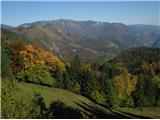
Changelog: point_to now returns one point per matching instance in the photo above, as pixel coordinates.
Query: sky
(16, 13)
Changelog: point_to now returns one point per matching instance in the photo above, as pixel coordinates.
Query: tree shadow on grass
(100, 113)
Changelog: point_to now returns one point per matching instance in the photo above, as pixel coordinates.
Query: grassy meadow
(26, 91)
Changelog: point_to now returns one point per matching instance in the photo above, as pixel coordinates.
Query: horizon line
(49, 20)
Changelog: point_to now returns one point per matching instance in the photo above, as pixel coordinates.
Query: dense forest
(130, 80)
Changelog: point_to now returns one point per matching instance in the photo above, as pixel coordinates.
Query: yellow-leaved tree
(35, 64)
(33, 56)
(125, 84)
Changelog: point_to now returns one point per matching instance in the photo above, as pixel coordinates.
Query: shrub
(99, 98)
(6, 70)
(129, 102)
(158, 103)
(76, 88)
(14, 106)
(39, 75)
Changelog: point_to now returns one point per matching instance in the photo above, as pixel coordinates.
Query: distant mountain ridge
(91, 40)
(6, 26)
(150, 31)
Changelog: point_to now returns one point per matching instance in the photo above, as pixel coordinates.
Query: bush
(6, 70)
(129, 102)
(76, 88)
(99, 98)
(158, 103)
(39, 75)
(14, 107)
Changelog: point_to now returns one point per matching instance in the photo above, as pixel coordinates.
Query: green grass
(152, 112)
(26, 90)
(51, 94)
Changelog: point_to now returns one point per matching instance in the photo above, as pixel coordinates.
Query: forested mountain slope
(29, 70)
(133, 58)
(88, 38)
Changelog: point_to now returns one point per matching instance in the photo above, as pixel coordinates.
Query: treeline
(108, 84)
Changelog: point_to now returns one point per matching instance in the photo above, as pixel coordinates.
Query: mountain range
(91, 40)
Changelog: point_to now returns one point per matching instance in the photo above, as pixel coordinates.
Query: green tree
(39, 75)
(98, 97)
(88, 83)
(74, 69)
(58, 75)
(6, 70)
(145, 92)
(73, 75)
(76, 88)
(110, 91)
(67, 81)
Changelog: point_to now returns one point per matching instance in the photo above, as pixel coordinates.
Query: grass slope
(26, 90)
(151, 112)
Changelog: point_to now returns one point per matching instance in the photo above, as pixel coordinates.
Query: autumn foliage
(28, 58)
(107, 83)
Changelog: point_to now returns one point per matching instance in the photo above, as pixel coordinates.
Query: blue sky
(16, 13)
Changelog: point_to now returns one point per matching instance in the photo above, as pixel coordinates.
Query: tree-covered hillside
(135, 58)
(131, 80)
